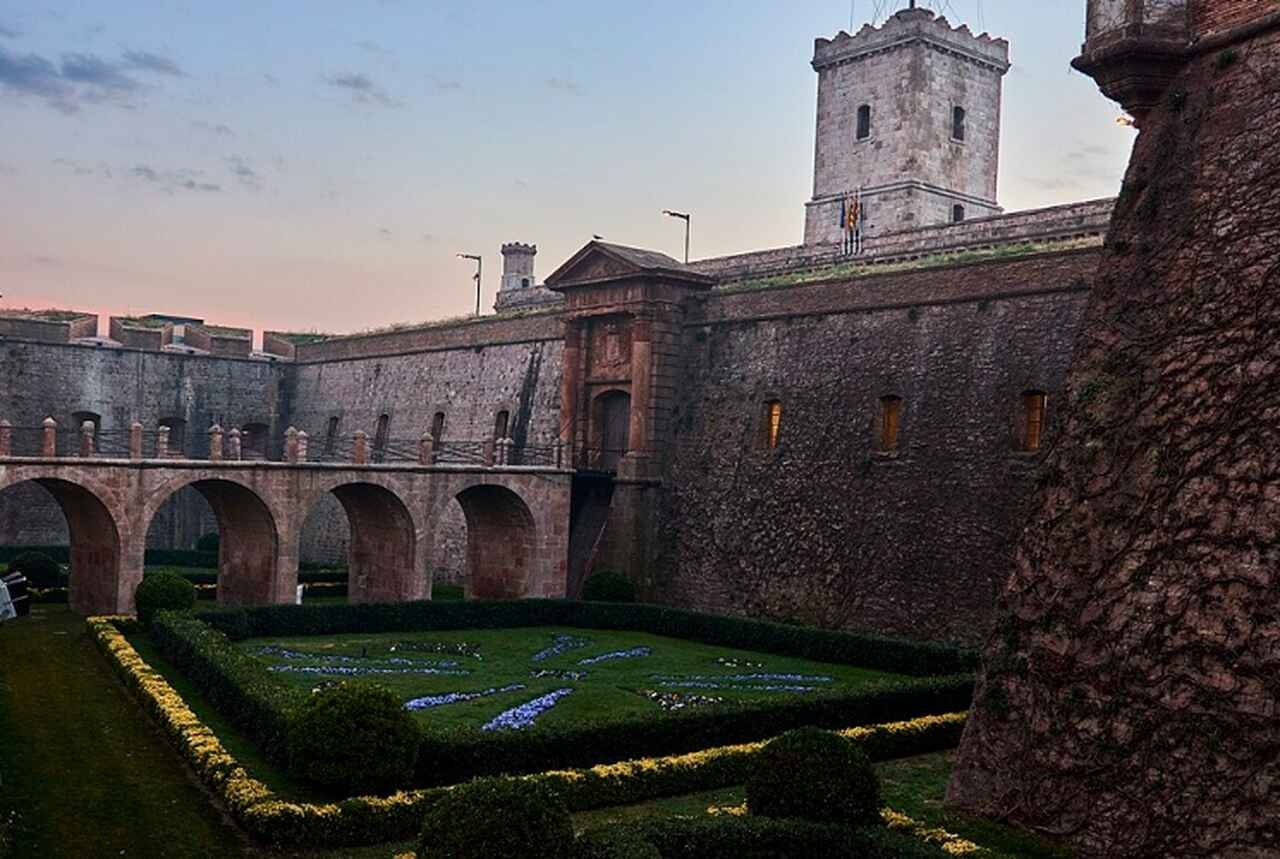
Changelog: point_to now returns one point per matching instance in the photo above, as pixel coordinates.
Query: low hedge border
(154, 558)
(204, 591)
(260, 703)
(375, 820)
(900, 656)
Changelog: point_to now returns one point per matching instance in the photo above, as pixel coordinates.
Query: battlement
(908, 27)
(519, 248)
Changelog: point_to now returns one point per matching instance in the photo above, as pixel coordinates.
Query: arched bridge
(517, 515)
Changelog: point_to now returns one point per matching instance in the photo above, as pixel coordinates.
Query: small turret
(517, 266)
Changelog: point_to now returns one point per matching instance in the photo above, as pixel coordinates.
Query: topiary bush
(41, 570)
(163, 592)
(207, 543)
(615, 843)
(354, 738)
(815, 775)
(498, 817)
(608, 586)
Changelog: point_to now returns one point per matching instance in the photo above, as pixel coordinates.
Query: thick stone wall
(825, 528)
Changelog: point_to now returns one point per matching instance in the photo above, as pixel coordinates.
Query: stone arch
(382, 552)
(249, 537)
(501, 542)
(98, 585)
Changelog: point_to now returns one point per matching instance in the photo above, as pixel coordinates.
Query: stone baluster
(427, 449)
(49, 439)
(505, 447)
(86, 440)
(162, 442)
(135, 440)
(6, 439)
(215, 443)
(360, 448)
(304, 441)
(291, 445)
(235, 445)
(486, 452)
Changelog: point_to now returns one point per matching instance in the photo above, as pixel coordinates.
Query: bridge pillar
(86, 439)
(235, 445)
(360, 448)
(6, 438)
(215, 443)
(135, 440)
(49, 439)
(162, 442)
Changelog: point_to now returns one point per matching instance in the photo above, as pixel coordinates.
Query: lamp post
(479, 270)
(686, 217)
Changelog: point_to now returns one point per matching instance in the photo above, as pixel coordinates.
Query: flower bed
(373, 820)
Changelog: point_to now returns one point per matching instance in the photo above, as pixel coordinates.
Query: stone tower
(517, 266)
(910, 113)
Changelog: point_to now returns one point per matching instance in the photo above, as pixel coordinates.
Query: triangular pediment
(600, 262)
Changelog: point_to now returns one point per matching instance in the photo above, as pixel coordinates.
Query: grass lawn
(608, 673)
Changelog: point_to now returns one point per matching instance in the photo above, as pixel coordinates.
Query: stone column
(360, 448)
(426, 449)
(570, 386)
(504, 451)
(291, 445)
(215, 443)
(641, 444)
(49, 439)
(235, 444)
(135, 440)
(162, 443)
(486, 452)
(86, 440)
(6, 439)
(304, 441)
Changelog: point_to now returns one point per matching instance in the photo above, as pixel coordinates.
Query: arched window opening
(79, 419)
(500, 424)
(331, 436)
(524, 283)
(889, 424)
(437, 427)
(957, 214)
(771, 425)
(957, 123)
(381, 432)
(864, 122)
(253, 441)
(1034, 407)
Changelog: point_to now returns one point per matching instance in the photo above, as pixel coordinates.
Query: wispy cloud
(384, 232)
(149, 62)
(244, 173)
(81, 168)
(172, 181)
(8, 33)
(362, 88)
(8, 169)
(565, 85)
(78, 78)
(217, 130)
(371, 47)
(446, 84)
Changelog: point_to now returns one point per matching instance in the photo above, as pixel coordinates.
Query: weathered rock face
(1130, 694)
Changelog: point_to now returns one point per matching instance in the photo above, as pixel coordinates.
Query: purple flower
(518, 718)
(561, 643)
(616, 654)
(429, 701)
(364, 670)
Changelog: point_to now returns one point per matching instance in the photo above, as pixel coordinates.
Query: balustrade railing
(51, 440)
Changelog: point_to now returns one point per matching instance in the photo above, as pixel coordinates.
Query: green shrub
(815, 775)
(207, 543)
(497, 818)
(608, 586)
(163, 592)
(356, 738)
(447, 592)
(41, 570)
(615, 843)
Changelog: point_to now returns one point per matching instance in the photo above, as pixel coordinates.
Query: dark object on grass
(498, 817)
(811, 774)
(41, 570)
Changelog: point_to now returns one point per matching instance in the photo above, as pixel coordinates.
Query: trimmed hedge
(810, 774)
(163, 558)
(729, 836)
(41, 570)
(355, 738)
(163, 592)
(919, 659)
(608, 586)
(496, 818)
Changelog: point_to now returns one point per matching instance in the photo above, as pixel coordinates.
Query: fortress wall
(825, 529)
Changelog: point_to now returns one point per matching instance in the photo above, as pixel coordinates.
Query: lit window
(1034, 404)
(771, 427)
(890, 423)
(864, 122)
(957, 124)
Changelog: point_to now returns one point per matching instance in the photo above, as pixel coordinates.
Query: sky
(316, 165)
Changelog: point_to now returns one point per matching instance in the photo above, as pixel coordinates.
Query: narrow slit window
(380, 435)
(957, 123)
(500, 424)
(864, 122)
(957, 214)
(771, 426)
(331, 435)
(890, 423)
(1034, 406)
(437, 427)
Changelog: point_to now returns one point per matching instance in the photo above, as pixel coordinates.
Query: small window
(500, 424)
(437, 427)
(864, 122)
(1034, 407)
(771, 425)
(177, 434)
(331, 435)
(524, 282)
(957, 214)
(381, 433)
(253, 441)
(889, 424)
(957, 123)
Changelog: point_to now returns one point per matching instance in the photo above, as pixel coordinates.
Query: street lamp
(479, 270)
(684, 216)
